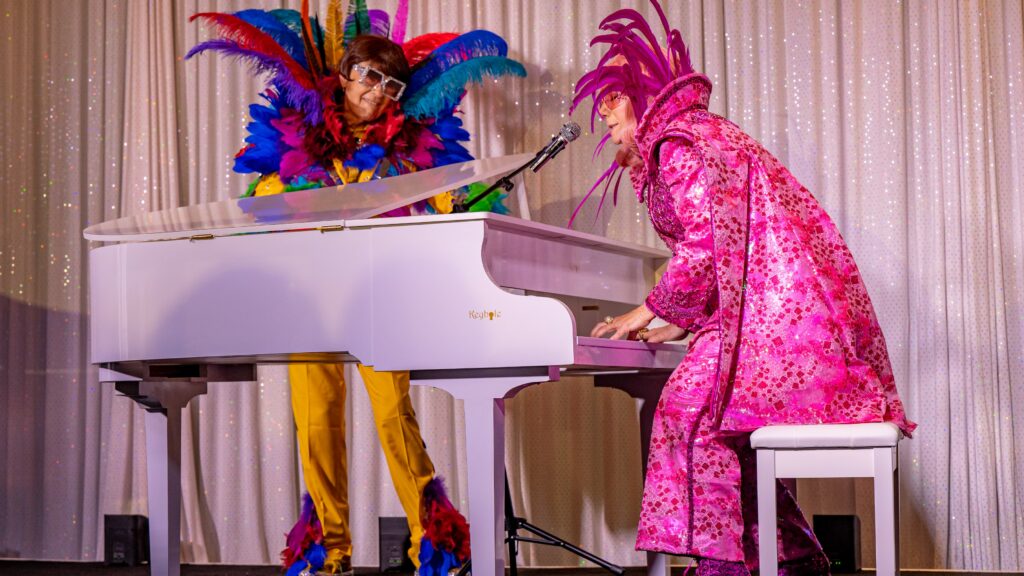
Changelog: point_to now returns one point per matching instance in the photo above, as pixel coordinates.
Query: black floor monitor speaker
(839, 536)
(394, 542)
(126, 539)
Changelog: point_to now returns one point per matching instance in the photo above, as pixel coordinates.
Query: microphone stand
(513, 524)
(505, 182)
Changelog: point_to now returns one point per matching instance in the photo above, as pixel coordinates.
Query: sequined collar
(679, 96)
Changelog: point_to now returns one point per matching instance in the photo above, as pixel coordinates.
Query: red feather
(386, 128)
(248, 37)
(417, 49)
(447, 530)
(312, 535)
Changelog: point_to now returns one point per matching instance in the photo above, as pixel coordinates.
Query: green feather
(494, 202)
(358, 20)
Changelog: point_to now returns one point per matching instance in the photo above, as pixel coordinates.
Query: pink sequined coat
(754, 250)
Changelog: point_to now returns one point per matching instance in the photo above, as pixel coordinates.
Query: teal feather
(318, 37)
(444, 93)
(475, 44)
(290, 18)
(293, 20)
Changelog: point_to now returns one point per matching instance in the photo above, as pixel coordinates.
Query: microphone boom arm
(505, 182)
(569, 132)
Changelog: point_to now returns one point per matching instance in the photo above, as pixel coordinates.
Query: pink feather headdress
(635, 66)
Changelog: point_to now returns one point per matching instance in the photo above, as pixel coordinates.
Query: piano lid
(301, 209)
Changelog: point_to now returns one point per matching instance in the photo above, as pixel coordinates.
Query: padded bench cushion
(871, 435)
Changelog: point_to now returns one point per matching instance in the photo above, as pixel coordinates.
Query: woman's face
(617, 112)
(364, 100)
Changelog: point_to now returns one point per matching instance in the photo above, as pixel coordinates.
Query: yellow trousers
(318, 402)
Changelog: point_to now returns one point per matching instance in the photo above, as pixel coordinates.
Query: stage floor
(34, 568)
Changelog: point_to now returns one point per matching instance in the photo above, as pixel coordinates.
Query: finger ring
(641, 334)
(608, 319)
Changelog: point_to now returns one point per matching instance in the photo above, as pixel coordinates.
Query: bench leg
(768, 546)
(887, 543)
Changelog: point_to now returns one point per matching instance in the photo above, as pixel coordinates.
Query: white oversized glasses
(373, 78)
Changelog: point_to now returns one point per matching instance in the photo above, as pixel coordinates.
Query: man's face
(365, 100)
(617, 112)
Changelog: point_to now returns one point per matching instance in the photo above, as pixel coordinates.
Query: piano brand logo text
(484, 314)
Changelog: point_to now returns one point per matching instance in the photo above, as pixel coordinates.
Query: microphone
(569, 132)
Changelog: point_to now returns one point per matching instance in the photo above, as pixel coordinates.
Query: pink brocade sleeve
(681, 208)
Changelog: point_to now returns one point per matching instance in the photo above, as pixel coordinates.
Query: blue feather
(449, 131)
(292, 20)
(444, 93)
(435, 561)
(449, 128)
(475, 44)
(279, 31)
(452, 153)
(264, 157)
(267, 113)
(296, 568)
(445, 158)
(366, 157)
(261, 130)
(313, 558)
(316, 555)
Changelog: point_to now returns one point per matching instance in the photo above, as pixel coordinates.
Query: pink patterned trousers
(700, 494)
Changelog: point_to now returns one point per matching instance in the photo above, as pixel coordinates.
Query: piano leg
(485, 452)
(646, 389)
(163, 473)
(484, 406)
(163, 402)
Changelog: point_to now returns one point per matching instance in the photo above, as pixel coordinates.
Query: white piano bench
(830, 451)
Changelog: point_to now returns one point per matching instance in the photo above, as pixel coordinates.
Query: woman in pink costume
(783, 328)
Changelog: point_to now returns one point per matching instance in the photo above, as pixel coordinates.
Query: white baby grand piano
(203, 293)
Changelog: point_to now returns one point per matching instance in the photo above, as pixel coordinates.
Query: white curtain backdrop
(906, 119)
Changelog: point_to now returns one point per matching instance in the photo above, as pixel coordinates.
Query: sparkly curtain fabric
(905, 119)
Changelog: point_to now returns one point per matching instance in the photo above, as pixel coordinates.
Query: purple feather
(307, 101)
(434, 492)
(604, 194)
(649, 66)
(607, 174)
(380, 23)
(600, 145)
(615, 192)
(306, 528)
(638, 24)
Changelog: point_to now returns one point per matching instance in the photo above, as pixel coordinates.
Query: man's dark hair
(387, 56)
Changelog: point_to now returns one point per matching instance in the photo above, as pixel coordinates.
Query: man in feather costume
(350, 103)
